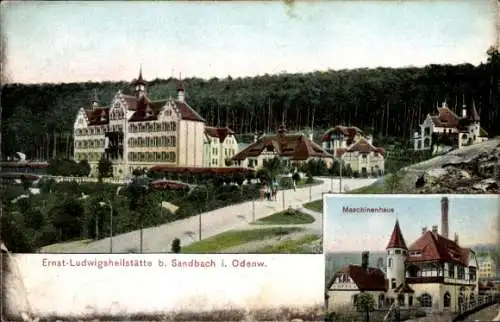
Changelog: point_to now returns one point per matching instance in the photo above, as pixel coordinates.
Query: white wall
(119, 290)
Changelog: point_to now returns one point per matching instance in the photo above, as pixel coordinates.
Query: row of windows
(152, 156)
(116, 114)
(152, 127)
(91, 156)
(155, 141)
(89, 144)
(99, 130)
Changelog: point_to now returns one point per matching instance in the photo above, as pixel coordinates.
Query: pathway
(490, 313)
(159, 239)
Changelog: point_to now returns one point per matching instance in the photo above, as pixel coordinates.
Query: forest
(386, 102)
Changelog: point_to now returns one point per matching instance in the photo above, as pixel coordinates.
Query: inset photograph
(401, 257)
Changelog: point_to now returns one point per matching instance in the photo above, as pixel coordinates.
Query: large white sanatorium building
(434, 273)
(136, 132)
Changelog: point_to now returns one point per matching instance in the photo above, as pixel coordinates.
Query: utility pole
(253, 209)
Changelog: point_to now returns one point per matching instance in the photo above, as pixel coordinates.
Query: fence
(482, 302)
(83, 179)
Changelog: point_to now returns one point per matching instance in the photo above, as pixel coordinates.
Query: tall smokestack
(364, 260)
(444, 217)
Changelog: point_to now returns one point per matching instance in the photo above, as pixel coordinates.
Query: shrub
(176, 246)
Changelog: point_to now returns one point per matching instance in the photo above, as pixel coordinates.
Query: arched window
(393, 283)
(401, 300)
(426, 300)
(427, 142)
(447, 299)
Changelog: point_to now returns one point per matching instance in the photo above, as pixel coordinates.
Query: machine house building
(434, 273)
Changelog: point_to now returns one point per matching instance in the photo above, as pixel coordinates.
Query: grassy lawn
(316, 205)
(287, 217)
(292, 246)
(237, 237)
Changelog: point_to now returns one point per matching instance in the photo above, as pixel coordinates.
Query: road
(159, 239)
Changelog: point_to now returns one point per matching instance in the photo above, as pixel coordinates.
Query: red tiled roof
(228, 170)
(188, 113)
(294, 146)
(146, 110)
(434, 247)
(446, 118)
(168, 184)
(218, 132)
(371, 279)
(349, 131)
(98, 116)
(363, 146)
(396, 240)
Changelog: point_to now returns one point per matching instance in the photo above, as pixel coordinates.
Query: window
(427, 143)
(461, 272)
(389, 262)
(427, 131)
(451, 271)
(410, 300)
(426, 300)
(393, 283)
(397, 251)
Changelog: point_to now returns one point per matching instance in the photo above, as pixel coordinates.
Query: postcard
(411, 255)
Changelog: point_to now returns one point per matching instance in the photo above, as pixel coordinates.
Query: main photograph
(224, 140)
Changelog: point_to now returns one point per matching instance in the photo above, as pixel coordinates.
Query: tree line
(386, 102)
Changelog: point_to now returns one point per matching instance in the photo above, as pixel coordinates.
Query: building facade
(487, 267)
(434, 273)
(355, 150)
(137, 132)
(447, 129)
(220, 146)
(292, 148)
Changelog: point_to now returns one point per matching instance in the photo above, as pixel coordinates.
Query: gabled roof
(371, 279)
(293, 146)
(396, 240)
(362, 146)
(188, 113)
(218, 132)
(445, 118)
(349, 131)
(146, 110)
(404, 288)
(98, 116)
(434, 247)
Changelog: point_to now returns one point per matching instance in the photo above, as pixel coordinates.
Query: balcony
(425, 279)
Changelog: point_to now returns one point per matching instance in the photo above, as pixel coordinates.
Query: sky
(474, 218)
(97, 41)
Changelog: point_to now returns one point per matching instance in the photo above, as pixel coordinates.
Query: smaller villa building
(447, 129)
(220, 147)
(354, 150)
(290, 147)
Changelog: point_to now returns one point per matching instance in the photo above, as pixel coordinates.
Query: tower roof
(397, 240)
(140, 80)
(180, 85)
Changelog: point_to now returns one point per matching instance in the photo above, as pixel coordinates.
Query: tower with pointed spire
(140, 85)
(396, 258)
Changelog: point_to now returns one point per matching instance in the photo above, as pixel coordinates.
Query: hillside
(386, 102)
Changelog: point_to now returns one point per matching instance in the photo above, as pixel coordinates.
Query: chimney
(464, 111)
(364, 260)
(456, 238)
(444, 217)
(311, 136)
(424, 230)
(435, 229)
